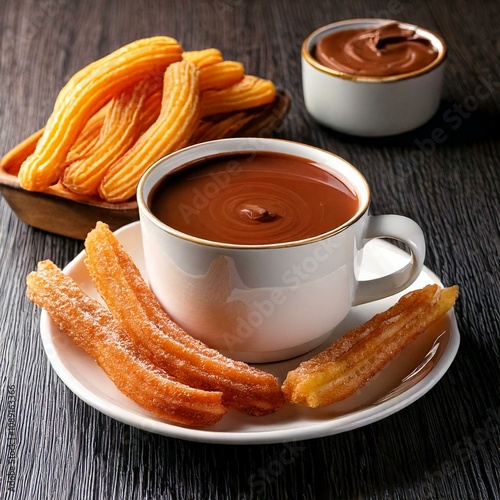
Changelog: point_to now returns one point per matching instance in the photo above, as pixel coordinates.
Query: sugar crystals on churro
(350, 362)
(162, 368)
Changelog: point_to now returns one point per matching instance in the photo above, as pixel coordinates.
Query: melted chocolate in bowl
(253, 199)
(383, 51)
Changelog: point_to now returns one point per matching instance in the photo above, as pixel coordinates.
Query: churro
(119, 132)
(249, 92)
(204, 57)
(171, 131)
(92, 149)
(221, 75)
(11, 162)
(350, 362)
(92, 327)
(83, 95)
(88, 137)
(158, 338)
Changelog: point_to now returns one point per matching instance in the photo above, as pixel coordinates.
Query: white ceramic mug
(262, 303)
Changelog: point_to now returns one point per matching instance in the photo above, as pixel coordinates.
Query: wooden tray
(67, 215)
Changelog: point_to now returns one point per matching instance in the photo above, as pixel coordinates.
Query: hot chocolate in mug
(254, 246)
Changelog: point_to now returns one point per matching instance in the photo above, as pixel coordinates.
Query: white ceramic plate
(400, 383)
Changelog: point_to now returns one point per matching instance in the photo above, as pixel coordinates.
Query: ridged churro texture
(88, 137)
(12, 161)
(349, 363)
(121, 113)
(120, 130)
(164, 343)
(92, 327)
(204, 57)
(221, 75)
(84, 94)
(171, 131)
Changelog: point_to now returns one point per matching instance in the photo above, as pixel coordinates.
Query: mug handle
(402, 229)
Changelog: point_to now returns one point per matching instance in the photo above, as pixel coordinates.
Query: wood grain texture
(446, 445)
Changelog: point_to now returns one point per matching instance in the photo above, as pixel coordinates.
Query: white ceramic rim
(252, 144)
(436, 40)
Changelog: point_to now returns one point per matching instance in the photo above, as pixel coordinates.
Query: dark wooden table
(445, 445)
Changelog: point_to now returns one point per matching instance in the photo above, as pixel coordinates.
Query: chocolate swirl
(264, 199)
(385, 51)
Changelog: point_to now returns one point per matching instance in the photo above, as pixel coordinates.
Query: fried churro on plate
(92, 327)
(351, 361)
(158, 365)
(158, 338)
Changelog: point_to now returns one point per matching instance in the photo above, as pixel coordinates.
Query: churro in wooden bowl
(117, 116)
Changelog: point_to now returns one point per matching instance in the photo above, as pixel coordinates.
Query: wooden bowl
(60, 212)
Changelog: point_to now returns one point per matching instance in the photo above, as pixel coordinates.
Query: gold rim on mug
(440, 46)
(144, 203)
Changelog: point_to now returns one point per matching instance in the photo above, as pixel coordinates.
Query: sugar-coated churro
(131, 301)
(92, 327)
(350, 362)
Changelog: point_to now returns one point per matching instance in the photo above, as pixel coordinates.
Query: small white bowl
(371, 106)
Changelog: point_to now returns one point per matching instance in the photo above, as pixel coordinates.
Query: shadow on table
(452, 123)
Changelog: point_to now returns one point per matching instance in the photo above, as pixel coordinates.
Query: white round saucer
(404, 380)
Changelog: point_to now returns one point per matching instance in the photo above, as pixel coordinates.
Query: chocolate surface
(261, 198)
(384, 51)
